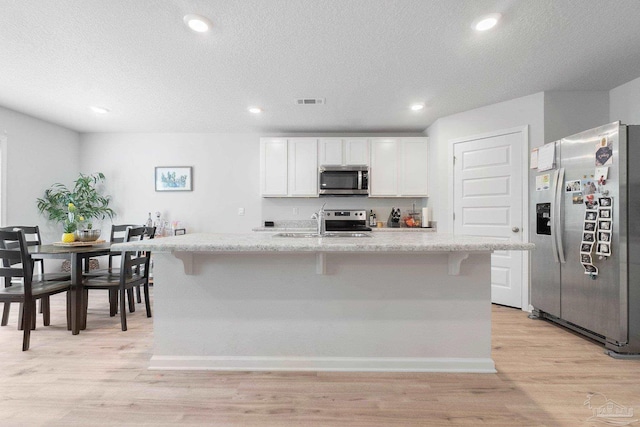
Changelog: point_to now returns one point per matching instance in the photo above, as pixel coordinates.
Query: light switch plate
(241, 211)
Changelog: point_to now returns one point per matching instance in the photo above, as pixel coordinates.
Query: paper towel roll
(425, 217)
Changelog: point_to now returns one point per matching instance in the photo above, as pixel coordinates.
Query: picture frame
(586, 247)
(174, 178)
(604, 225)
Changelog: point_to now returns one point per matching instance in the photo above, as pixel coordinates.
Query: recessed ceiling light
(255, 110)
(100, 110)
(197, 23)
(417, 107)
(486, 22)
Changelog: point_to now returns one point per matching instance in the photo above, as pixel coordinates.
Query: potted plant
(75, 208)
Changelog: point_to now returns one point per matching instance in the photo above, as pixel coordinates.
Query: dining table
(78, 255)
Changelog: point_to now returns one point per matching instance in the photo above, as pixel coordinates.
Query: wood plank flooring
(100, 377)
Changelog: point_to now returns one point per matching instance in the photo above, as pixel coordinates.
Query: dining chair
(33, 238)
(18, 264)
(134, 271)
(118, 235)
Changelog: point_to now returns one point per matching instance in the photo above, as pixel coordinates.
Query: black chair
(17, 273)
(33, 238)
(118, 234)
(134, 271)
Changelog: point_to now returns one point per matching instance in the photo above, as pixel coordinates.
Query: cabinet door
(413, 167)
(330, 152)
(383, 175)
(356, 151)
(273, 167)
(303, 167)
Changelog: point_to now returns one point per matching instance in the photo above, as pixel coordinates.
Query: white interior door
(488, 201)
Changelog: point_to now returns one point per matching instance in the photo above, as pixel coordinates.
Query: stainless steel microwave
(344, 180)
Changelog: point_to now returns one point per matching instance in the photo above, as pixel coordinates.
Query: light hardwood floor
(100, 377)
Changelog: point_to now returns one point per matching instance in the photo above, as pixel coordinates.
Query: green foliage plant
(83, 202)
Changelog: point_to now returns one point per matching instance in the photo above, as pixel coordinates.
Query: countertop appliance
(346, 220)
(585, 223)
(343, 180)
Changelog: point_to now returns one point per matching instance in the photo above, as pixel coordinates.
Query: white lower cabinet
(289, 167)
(398, 167)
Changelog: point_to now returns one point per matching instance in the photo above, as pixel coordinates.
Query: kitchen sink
(330, 234)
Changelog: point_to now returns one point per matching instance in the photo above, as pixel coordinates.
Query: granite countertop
(313, 229)
(267, 242)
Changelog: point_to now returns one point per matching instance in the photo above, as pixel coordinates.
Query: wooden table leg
(76, 294)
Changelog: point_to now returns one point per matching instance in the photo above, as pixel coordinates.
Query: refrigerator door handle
(559, 188)
(554, 244)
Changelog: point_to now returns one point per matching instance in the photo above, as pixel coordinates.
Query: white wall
(624, 103)
(225, 177)
(528, 110)
(569, 112)
(549, 115)
(38, 154)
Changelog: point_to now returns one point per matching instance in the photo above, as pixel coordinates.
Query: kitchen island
(392, 302)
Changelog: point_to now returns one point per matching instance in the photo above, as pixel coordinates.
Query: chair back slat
(31, 234)
(118, 235)
(12, 254)
(118, 232)
(11, 272)
(135, 260)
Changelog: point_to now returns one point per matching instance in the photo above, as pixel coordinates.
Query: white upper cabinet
(356, 151)
(398, 167)
(303, 167)
(383, 173)
(273, 167)
(413, 167)
(289, 167)
(343, 151)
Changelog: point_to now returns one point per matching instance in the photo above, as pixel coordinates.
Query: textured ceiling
(370, 59)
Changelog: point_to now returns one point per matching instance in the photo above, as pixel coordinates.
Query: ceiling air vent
(310, 101)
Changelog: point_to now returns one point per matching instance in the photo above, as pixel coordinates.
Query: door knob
(515, 229)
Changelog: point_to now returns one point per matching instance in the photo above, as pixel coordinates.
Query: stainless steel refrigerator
(585, 223)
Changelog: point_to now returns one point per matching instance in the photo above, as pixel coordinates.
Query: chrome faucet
(319, 216)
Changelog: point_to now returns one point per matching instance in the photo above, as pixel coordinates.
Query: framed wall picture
(174, 178)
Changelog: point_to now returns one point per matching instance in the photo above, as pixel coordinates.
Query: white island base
(341, 311)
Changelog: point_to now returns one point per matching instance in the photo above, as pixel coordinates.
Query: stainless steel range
(346, 220)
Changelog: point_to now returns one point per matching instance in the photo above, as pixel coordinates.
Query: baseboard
(346, 364)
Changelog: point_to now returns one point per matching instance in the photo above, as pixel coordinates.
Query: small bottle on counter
(372, 221)
(149, 221)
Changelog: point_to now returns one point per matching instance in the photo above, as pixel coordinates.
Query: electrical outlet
(241, 211)
(296, 211)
